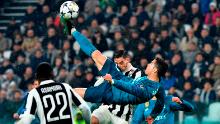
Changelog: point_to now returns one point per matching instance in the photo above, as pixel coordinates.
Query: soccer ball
(69, 10)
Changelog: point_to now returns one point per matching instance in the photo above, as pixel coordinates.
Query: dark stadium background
(184, 32)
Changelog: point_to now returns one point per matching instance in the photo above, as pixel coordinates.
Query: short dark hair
(163, 29)
(31, 81)
(17, 91)
(121, 53)
(200, 53)
(44, 71)
(217, 56)
(162, 67)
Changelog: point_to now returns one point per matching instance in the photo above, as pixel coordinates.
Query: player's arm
(117, 96)
(184, 106)
(130, 86)
(21, 109)
(160, 95)
(30, 110)
(153, 102)
(146, 92)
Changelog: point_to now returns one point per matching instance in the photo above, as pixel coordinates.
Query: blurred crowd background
(186, 33)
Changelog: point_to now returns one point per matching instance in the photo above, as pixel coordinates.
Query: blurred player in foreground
(52, 102)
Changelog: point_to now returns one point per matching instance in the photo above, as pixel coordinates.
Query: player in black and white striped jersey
(117, 114)
(52, 102)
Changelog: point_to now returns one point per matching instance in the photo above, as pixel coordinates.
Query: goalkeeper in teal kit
(119, 88)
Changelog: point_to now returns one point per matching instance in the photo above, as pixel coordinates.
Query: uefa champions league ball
(69, 10)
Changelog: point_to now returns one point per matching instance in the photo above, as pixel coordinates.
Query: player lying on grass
(172, 104)
(137, 90)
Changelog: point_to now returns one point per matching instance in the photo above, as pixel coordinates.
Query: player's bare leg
(99, 59)
(80, 91)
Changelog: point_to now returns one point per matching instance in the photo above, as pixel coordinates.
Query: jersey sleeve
(184, 106)
(131, 86)
(155, 111)
(117, 96)
(21, 109)
(145, 91)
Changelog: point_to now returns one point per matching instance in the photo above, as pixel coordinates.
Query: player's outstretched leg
(89, 48)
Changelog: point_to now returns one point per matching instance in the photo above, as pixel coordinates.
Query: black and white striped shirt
(53, 103)
(125, 111)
